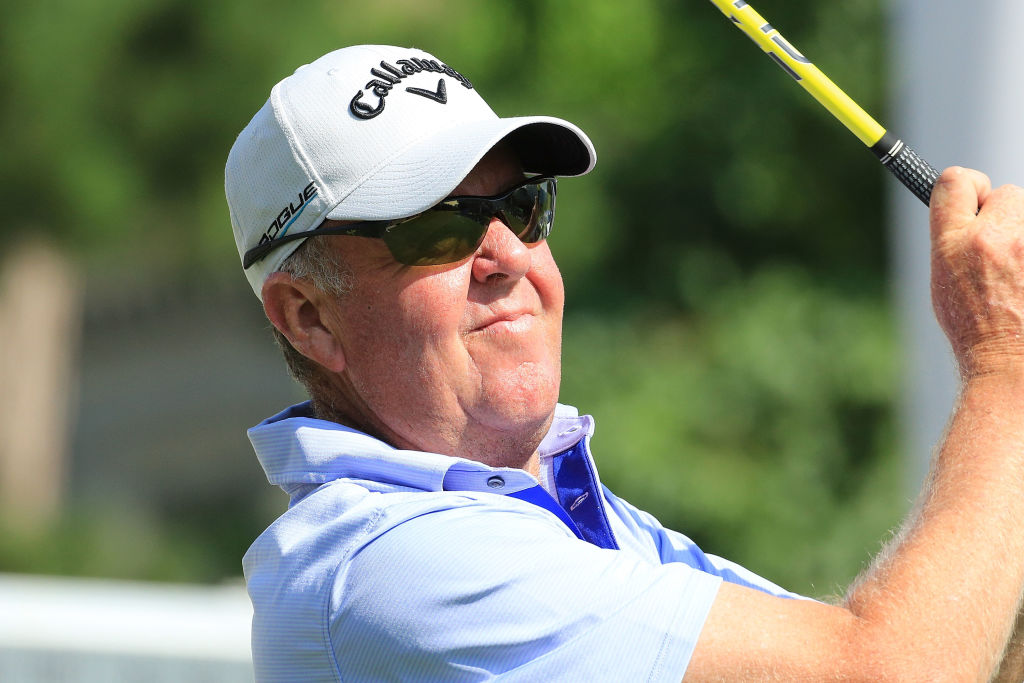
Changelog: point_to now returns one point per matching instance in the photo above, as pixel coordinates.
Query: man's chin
(528, 412)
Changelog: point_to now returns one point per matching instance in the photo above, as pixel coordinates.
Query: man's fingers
(958, 195)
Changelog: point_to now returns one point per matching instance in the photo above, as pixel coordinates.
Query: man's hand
(978, 270)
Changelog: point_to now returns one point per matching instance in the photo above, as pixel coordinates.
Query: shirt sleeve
(494, 589)
(673, 547)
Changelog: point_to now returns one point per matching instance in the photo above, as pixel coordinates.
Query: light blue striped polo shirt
(394, 565)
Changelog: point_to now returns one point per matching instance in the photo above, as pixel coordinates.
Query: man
(447, 522)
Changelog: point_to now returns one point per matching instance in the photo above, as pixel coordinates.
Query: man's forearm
(952, 582)
(939, 604)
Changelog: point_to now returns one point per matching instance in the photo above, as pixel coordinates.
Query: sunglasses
(449, 231)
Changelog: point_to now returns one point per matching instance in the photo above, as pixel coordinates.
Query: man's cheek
(432, 311)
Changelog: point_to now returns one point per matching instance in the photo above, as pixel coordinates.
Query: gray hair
(315, 263)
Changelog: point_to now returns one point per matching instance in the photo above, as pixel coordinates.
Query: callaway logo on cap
(372, 132)
(387, 76)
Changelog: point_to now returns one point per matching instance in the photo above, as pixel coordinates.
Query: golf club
(913, 171)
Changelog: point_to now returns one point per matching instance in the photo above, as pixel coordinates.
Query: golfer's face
(455, 358)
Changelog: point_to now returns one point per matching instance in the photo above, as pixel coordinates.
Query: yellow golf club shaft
(913, 171)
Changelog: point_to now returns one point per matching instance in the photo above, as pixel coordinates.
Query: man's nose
(501, 255)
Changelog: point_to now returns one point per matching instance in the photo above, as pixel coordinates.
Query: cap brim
(426, 172)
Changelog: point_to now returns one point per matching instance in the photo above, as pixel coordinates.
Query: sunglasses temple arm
(261, 250)
(356, 229)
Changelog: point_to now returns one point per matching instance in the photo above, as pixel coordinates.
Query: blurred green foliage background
(727, 319)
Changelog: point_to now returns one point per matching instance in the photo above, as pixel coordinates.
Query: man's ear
(295, 307)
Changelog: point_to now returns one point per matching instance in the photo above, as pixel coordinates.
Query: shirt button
(496, 482)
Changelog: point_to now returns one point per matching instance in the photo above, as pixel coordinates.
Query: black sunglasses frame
(488, 207)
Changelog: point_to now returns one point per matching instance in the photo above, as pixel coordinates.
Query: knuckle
(951, 175)
(1013, 192)
(1005, 205)
(955, 175)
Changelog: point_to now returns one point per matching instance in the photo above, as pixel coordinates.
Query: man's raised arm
(941, 601)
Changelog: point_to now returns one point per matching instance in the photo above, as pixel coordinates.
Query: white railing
(57, 630)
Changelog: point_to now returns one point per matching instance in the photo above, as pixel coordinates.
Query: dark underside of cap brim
(549, 149)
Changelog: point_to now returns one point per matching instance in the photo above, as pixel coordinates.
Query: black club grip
(917, 174)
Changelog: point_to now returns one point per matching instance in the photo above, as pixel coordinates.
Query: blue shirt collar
(296, 450)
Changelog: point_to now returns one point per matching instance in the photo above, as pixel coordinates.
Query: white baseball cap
(372, 132)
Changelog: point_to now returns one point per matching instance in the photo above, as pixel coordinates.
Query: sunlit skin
(461, 359)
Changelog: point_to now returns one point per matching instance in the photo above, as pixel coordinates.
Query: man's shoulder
(328, 525)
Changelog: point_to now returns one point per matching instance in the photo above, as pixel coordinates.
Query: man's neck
(497, 451)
